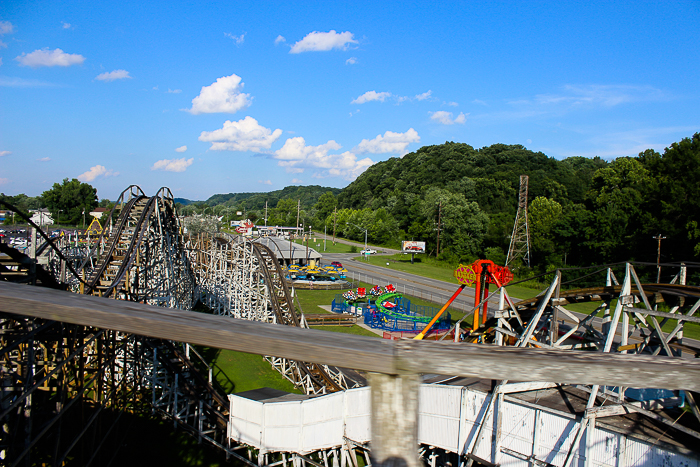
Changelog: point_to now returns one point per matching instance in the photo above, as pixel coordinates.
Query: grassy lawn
(239, 371)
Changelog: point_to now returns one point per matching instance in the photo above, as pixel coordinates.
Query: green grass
(357, 330)
(238, 371)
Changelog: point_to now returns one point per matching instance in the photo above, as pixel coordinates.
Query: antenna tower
(520, 239)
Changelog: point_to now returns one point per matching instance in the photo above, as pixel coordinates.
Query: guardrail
(393, 366)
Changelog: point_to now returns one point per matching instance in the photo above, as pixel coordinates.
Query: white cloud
(452, 104)
(181, 149)
(65, 25)
(237, 39)
(389, 143)
(5, 153)
(265, 182)
(173, 165)
(174, 91)
(445, 118)
(113, 75)
(44, 159)
(223, 96)
(96, 171)
(296, 180)
(371, 96)
(243, 135)
(323, 41)
(279, 39)
(23, 83)
(351, 61)
(424, 96)
(296, 156)
(6, 28)
(479, 101)
(599, 94)
(46, 57)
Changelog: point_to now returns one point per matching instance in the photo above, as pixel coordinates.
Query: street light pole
(658, 258)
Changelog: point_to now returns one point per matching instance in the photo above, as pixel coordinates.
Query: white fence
(448, 419)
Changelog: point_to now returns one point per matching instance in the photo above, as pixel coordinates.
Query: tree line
(581, 211)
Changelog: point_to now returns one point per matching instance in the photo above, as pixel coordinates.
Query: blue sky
(241, 96)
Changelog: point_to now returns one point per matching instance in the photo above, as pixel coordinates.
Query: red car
(337, 264)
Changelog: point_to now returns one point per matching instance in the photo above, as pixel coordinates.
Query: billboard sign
(413, 247)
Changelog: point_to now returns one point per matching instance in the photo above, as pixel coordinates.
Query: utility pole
(298, 209)
(265, 213)
(658, 258)
(439, 225)
(335, 212)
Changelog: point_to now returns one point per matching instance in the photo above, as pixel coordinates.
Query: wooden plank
(351, 351)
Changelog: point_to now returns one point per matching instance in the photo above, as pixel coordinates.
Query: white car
(368, 251)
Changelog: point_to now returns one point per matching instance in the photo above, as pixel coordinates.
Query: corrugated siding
(358, 409)
(556, 433)
(245, 421)
(282, 426)
(517, 429)
(439, 409)
(322, 420)
(447, 418)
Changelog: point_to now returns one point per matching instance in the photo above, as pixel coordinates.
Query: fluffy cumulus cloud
(279, 39)
(243, 135)
(371, 96)
(96, 171)
(390, 142)
(445, 118)
(382, 96)
(223, 96)
(265, 182)
(323, 41)
(65, 25)
(296, 156)
(46, 57)
(351, 61)
(173, 165)
(5, 28)
(174, 91)
(113, 75)
(181, 149)
(5, 153)
(238, 40)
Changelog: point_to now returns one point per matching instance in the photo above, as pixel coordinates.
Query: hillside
(308, 195)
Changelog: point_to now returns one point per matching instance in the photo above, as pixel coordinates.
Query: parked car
(368, 251)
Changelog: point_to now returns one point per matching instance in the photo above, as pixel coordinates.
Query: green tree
(68, 201)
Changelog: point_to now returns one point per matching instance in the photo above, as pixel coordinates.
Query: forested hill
(308, 195)
(489, 176)
(581, 211)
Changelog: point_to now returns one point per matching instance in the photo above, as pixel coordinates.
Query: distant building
(41, 216)
(97, 212)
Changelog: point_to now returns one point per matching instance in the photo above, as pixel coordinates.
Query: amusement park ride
(53, 370)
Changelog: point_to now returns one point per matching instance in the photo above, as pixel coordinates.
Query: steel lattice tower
(520, 239)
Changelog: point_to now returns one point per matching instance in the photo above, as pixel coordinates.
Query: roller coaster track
(243, 279)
